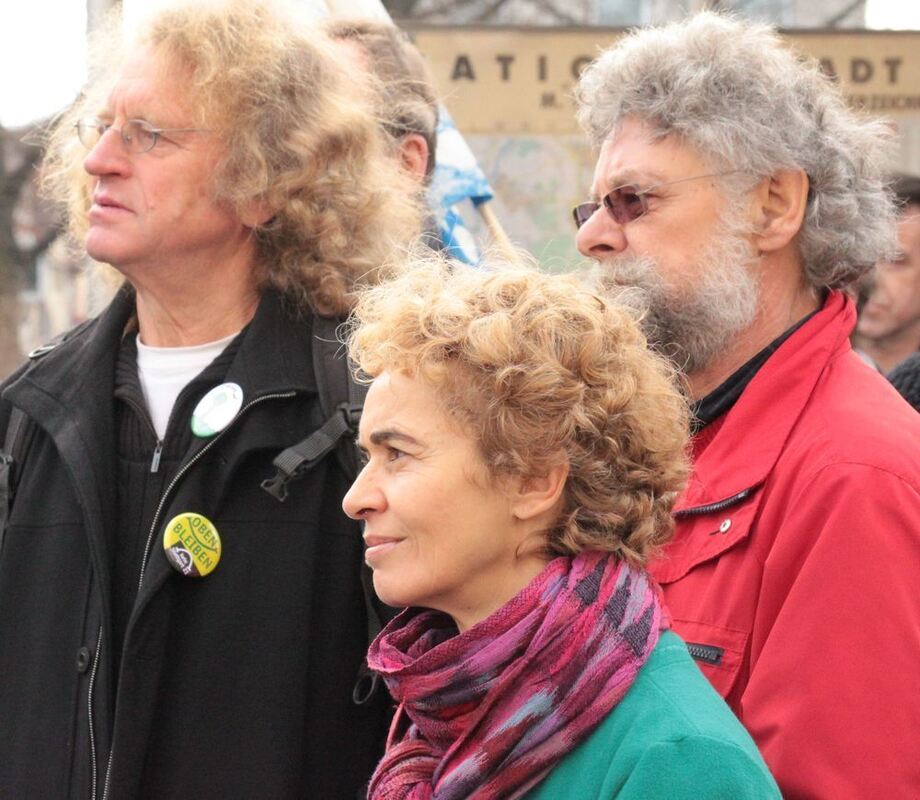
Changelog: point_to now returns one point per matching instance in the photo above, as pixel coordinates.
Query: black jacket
(235, 685)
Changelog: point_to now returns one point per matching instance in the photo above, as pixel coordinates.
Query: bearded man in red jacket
(738, 197)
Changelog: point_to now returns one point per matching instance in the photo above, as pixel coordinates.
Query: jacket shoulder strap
(338, 390)
(341, 401)
(19, 433)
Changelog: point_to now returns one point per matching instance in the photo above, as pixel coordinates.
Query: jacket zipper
(711, 508)
(172, 484)
(187, 466)
(155, 461)
(707, 653)
(89, 703)
(144, 414)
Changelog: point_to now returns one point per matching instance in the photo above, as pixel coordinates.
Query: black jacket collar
(274, 356)
(69, 391)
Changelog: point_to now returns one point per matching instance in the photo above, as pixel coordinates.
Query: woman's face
(440, 533)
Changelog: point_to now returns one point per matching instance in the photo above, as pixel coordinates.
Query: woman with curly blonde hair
(524, 448)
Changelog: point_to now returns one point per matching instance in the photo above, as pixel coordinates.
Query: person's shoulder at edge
(671, 736)
(72, 336)
(59, 349)
(905, 377)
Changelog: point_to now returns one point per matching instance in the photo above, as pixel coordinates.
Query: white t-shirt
(165, 371)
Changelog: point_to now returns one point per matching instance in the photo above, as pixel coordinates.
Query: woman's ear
(779, 208)
(535, 496)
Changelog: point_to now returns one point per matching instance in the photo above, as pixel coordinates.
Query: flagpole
(496, 231)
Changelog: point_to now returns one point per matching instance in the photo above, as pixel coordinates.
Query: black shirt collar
(725, 395)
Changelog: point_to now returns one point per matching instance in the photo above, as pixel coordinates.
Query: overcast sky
(42, 51)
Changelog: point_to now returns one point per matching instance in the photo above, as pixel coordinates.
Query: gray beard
(692, 327)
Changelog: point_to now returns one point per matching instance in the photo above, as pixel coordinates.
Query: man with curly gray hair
(737, 197)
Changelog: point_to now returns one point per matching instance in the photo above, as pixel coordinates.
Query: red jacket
(794, 573)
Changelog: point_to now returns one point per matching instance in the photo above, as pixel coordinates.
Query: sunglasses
(628, 202)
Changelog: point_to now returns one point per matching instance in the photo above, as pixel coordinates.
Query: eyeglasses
(138, 135)
(628, 202)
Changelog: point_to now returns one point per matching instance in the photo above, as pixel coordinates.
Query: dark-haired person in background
(888, 330)
(408, 107)
(407, 103)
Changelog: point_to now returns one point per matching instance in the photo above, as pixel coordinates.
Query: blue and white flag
(457, 178)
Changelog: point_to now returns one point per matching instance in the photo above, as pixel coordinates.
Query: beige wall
(518, 80)
(508, 90)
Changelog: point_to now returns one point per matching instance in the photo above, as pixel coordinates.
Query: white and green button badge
(192, 544)
(191, 541)
(217, 409)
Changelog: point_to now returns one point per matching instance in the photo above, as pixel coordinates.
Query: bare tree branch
(401, 9)
(561, 16)
(452, 6)
(24, 172)
(480, 11)
(44, 241)
(490, 10)
(841, 15)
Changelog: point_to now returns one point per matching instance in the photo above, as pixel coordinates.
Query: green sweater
(671, 737)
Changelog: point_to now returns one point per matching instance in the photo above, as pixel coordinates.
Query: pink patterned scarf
(492, 710)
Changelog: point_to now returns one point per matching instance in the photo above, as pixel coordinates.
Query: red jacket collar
(750, 437)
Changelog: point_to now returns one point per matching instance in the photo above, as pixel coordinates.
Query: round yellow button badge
(192, 544)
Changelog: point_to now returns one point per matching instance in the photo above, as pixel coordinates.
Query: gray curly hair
(735, 91)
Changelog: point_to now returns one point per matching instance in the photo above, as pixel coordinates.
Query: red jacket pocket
(718, 652)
